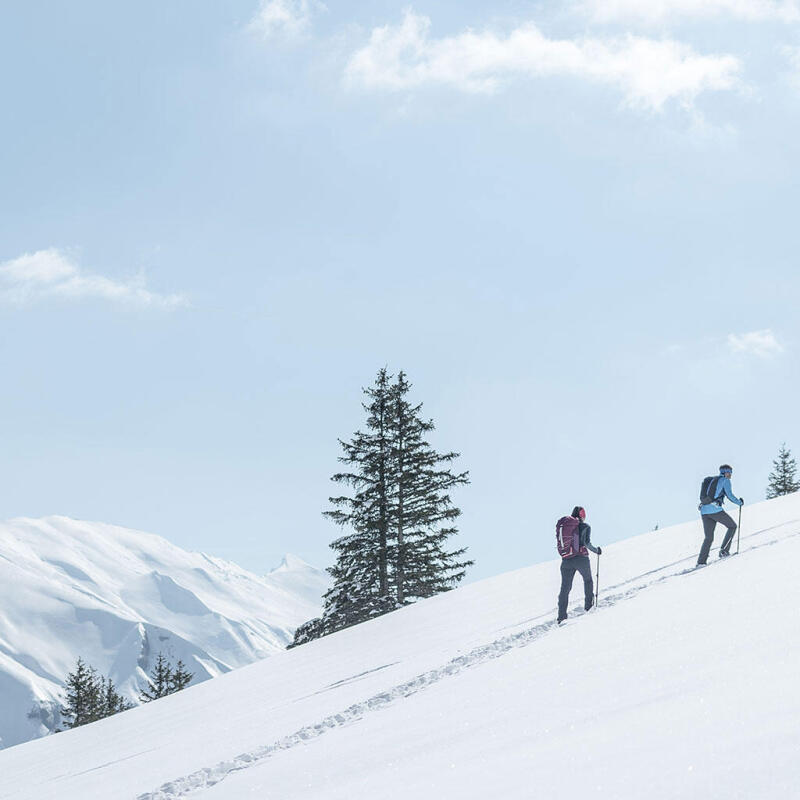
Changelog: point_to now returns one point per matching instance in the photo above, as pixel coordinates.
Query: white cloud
(281, 18)
(648, 72)
(655, 11)
(52, 273)
(762, 344)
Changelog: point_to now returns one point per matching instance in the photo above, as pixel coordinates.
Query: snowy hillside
(683, 684)
(116, 598)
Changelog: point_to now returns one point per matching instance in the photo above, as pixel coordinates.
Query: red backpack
(568, 538)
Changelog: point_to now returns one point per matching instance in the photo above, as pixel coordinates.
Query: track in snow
(210, 776)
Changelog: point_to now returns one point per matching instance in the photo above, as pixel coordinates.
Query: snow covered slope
(116, 598)
(683, 684)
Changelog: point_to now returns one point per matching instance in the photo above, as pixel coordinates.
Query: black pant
(569, 566)
(709, 523)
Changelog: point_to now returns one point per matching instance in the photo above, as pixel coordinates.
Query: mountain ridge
(117, 597)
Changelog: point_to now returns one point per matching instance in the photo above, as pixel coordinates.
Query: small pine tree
(90, 697)
(83, 699)
(112, 701)
(160, 679)
(164, 679)
(783, 478)
(180, 678)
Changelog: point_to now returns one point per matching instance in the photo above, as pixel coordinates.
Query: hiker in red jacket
(573, 539)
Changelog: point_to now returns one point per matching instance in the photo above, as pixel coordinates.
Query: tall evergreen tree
(783, 478)
(399, 515)
(361, 572)
(423, 510)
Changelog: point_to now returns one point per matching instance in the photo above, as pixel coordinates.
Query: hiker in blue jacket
(713, 495)
(576, 559)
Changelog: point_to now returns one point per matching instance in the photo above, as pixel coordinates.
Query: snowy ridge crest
(116, 598)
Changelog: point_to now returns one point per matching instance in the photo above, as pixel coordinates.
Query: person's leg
(727, 521)
(585, 567)
(709, 523)
(567, 576)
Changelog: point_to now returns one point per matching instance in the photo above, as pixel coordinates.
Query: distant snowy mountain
(681, 685)
(300, 579)
(116, 598)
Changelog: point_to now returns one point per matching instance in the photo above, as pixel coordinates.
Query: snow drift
(116, 598)
(682, 684)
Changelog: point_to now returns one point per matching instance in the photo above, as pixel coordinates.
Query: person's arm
(588, 540)
(726, 485)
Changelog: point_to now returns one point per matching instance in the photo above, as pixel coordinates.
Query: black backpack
(708, 491)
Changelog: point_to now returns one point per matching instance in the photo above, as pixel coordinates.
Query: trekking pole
(739, 530)
(597, 584)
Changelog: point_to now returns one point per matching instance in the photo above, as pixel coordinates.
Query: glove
(599, 551)
(741, 501)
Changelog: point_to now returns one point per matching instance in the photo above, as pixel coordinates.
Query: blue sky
(573, 225)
